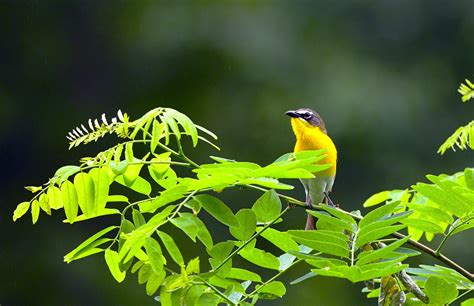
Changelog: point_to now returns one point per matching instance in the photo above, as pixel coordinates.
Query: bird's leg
(310, 221)
(328, 200)
(308, 202)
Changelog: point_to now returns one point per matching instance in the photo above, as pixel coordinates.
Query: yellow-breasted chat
(311, 134)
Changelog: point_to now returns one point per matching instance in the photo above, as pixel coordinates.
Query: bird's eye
(307, 116)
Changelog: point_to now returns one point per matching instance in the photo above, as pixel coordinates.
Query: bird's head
(305, 119)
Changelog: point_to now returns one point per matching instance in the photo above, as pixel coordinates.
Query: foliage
(155, 199)
(463, 137)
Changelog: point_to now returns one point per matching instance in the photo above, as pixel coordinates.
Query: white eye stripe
(306, 115)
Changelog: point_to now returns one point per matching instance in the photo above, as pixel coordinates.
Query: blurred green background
(383, 74)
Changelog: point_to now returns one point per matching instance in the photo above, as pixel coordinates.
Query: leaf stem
(246, 242)
(270, 280)
(217, 291)
(438, 249)
(180, 205)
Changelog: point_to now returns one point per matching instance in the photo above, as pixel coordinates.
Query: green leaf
(267, 207)
(71, 204)
(140, 185)
(260, 258)
(282, 240)
(193, 266)
(385, 222)
(303, 278)
(35, 209)
(208, 299)
(101, 187)
(20, 210)
(224, 269)
(443, 199)
(154, 281)
(111, 258)
(377, 198)
(171, 123)
(334, 222)
(272, 289)
(446, 273)
(193, 294)
(131, 246)
(117, 198)
(329, 242)
(267, 182)
(156, 135)
(118, 168)
(378, 213)
(138, 219)
(221, 250)
(44, 204)
(34, 189)
(187, 225)
(217, 209)
(103, 212)
(92, 248)
(85, 192)
(144, 273)
(424, 225)
(64, 173)
(243, 274)
(439, 290)
(469, 177)
(55, 197)
(160, 165)
(155, 255)
(165, 197)
(431, 212)
(72, 255)
(247, 224)
(202, 232)
(468, 302)
(373, 255)
(461, 225)
(377, 234)
(339, 214)
(171, 247)
(188, 126)
(131, 173)
(336, 268)
(156, 221)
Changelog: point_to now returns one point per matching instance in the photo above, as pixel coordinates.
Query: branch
(412, 242)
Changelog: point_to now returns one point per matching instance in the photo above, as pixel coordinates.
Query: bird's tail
(310, 222)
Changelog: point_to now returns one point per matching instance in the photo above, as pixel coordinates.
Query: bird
(311, 134)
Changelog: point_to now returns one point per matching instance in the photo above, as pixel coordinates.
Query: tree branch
(412, 242)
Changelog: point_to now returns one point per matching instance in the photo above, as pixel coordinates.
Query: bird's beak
(292, 114)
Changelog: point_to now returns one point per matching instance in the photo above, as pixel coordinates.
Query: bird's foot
(329, 201)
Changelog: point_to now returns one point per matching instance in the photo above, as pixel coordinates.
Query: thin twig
(270, 280)
(438, 249)
(246, 242)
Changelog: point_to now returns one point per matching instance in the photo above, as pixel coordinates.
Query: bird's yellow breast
(313, 138)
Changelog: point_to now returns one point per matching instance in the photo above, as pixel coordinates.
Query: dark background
(383, 74)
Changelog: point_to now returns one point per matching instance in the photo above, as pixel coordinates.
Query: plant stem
(178, 208)
(217, 291)
(438, 249)
(246, 242)
(270, 280)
